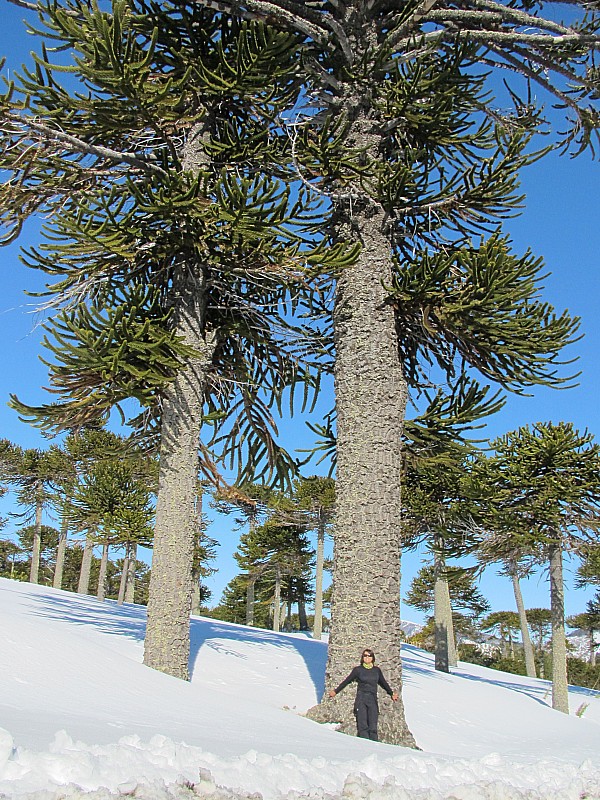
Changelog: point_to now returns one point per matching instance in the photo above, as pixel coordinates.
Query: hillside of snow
(80, 716)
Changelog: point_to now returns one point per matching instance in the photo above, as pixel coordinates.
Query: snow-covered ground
(81, 716)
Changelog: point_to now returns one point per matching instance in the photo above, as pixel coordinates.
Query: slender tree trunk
(371, 393)
(196, 576)
(101, 593)
(592, 658)
(196, 608)
(37, 545)
(302, 618)
(277, 599)
(60, 552)
(318, 623)
(83, 586)
(167, 643)
(130, 580)
(452, 646)
(441, 634)
(444, 643)
(250, 600)
(123, 581)
(560, 695)
(527, 646)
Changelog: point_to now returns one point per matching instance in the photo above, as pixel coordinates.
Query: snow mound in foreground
(163, 770)
(80, 716)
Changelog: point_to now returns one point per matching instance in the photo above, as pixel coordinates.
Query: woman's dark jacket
(368, 680)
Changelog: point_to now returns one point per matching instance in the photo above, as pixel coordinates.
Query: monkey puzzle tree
(589, 622)
(504, 624)
(315, 498)
(113, 500)
(546, 481)
(517, 563)
(32, 472)
(437, 445)
(172, 255)
(403, 140)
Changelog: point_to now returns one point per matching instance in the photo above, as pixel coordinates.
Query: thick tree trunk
(318, 623)
(101, 592)
(36, 551)
(560, 695)
(167, 643)
(83, 587)
(277, 599)
(130, 578)
(250, 600)
(60, 552)
(527, 646)
(371, 395)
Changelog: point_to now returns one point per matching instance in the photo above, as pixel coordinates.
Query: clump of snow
(80, 716)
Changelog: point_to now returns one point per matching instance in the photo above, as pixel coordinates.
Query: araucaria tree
(401, 139)
(170, 254)
(406, 145)
(545, 481)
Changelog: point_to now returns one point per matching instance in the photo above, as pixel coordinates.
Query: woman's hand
(331, 693)
(395, 696)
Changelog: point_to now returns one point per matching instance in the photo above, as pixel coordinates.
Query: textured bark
(60, 553)
(167, 643)
(371, 395)
(101, 592)
(277, 599)
(318, 623)
(36, 552)
(527, 645)
(440, 619)
(83, 587)
(560, 695)
(445, 643)
(130, 576)
(452, 646)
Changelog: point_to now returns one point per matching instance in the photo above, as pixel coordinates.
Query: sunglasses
(367, 655)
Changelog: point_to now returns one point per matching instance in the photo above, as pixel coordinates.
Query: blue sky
(561, 222)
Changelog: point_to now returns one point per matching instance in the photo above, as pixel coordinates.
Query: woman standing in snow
(366, 709)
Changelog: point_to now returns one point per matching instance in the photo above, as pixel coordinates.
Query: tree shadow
(420, 661)
(129, 620)
(206, 632)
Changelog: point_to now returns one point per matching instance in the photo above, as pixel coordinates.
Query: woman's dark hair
(369, 653)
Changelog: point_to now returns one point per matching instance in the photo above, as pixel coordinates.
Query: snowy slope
(81, 714)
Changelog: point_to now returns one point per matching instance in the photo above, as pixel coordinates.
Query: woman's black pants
(366, 712)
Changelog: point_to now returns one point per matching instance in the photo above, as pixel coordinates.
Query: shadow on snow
(129, 620)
